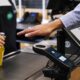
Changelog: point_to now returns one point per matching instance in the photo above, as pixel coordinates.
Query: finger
(32, 34)
(2, 38)
(2, 42)
(1, 45)
(25, 31)
(21, 32)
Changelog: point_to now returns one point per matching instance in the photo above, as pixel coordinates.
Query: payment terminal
(65, 62)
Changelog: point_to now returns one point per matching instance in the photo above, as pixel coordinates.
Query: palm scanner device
(65, 60)
(8, 26)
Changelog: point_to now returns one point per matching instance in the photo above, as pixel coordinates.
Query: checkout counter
(21, 65)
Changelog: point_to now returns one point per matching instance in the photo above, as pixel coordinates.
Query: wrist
(55, 24)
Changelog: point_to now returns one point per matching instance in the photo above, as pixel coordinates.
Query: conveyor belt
(21, 66)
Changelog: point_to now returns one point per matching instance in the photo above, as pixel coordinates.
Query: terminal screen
(76, 32)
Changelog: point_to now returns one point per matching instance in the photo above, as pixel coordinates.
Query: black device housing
(60, 69)
(8, 26)
(69, 52)
(61, 6)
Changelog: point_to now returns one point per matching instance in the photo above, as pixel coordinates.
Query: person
(71, 18)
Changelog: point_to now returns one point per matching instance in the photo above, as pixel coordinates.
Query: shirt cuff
(68, 19)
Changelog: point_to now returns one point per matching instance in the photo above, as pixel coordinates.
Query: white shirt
(72, 18)
(4, 3)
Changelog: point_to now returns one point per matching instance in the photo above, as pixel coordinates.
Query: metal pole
(20, 8)
(44, 11)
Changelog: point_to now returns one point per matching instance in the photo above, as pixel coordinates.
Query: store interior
(55, 57)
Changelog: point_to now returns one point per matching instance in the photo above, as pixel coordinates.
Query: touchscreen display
(76, 32)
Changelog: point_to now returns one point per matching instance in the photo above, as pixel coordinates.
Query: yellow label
(1, 54)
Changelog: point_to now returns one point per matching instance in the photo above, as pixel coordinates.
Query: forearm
(56, 24)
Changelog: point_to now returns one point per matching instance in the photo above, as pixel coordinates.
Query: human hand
(38, 30)
(2, 40)
(41, 30)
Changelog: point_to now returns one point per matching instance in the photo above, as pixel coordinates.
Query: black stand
(57, 73)
(62, 73)
(63, 61)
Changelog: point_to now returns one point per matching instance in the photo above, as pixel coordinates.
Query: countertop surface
(22, 66)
